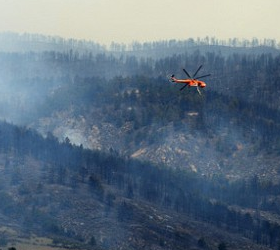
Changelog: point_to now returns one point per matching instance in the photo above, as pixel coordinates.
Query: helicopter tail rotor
(169, 77)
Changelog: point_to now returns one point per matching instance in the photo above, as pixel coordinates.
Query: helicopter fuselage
(190, 82)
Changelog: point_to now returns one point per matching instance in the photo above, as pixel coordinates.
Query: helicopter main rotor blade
(197, 71)
(183, 87)
(202, 76)
(187, 73)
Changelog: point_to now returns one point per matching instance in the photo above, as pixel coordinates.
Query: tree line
(210, 201)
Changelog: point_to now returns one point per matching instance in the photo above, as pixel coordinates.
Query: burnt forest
(98, 150)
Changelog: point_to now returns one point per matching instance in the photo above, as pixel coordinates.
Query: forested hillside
(70, 194)
(123, 101)
(100, 137)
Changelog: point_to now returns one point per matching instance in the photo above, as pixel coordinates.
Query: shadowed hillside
(106, 153)
(87, 199)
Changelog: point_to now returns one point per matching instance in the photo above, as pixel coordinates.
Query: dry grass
(32, 243)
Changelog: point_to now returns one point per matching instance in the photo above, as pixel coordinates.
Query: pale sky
(125, 21)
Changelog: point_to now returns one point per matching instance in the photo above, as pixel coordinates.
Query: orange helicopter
(191, 81)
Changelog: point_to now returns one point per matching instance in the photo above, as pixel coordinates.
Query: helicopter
(191, 81)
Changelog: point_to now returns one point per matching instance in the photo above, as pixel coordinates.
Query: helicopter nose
(203, 85)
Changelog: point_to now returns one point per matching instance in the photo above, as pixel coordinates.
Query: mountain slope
(128, 161)
(148, 119)
(87, 199)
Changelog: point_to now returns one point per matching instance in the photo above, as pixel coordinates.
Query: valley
(98, 150)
